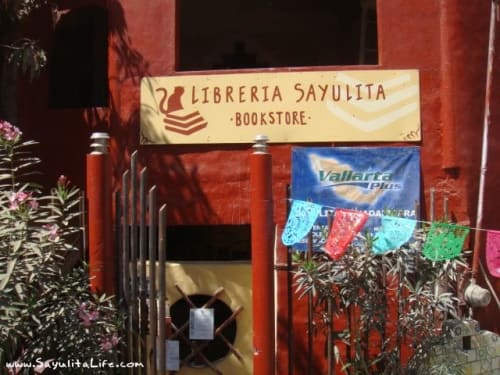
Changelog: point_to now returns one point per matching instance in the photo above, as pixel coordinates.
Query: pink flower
(106, 345)
(83, 315)
(33, 204)
(14, 204)
(22, 198)
(86, 316)
(115, 340)
(52, 231)
(109, 343)
(18, 197)
(63, 181)
(93, 315)
(8, 131)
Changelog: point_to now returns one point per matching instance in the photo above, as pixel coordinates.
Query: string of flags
(444, 240)
(493, 252)
(346, 224)
(394, 233)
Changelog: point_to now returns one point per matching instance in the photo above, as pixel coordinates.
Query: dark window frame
(78, 60)
(215, 41)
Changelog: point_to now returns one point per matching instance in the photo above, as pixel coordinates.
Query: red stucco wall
(452, 63)
(209, 184)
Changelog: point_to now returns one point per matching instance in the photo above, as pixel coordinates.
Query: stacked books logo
(177, 119)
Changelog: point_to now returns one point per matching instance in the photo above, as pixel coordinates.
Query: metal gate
(141, 241)
(141, 238)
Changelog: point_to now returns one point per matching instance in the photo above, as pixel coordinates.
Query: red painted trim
(261, 216)
(101, 253)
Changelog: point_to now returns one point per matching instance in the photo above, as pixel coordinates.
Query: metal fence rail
(141, 240)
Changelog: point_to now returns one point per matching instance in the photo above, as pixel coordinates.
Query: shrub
(394, 305)
(47, 312)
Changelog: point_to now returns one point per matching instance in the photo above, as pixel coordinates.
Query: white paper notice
(172, 355)
(201, 324)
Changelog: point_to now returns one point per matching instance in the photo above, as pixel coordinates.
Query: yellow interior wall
(206, 278)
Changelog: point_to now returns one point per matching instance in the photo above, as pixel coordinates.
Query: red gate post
(262, 237)
(101, 254)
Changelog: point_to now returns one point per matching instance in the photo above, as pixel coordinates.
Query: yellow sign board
(312, 106)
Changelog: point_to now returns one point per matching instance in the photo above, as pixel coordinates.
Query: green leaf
(6, 276)
(19, 290)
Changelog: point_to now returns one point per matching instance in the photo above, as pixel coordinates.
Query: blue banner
(376, 180)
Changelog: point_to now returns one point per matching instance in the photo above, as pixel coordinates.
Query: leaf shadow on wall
(177, 180)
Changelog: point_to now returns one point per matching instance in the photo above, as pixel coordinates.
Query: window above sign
(78, 62)
(235, 34)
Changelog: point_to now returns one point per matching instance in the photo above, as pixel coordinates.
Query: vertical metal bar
(290, 294)
(83, 224)
(125, 261)
(432, 207)
(399, 298)
(329, 345)
(445, 209)
(162, 242)
(121, 261)
(310, 310)
(153, 254)
(142, 272)
(384, 301)
(484, 148)
(118, 241)
(133, 254)
(432, 218)
(418, 217)
(418, 213)
(125, 235)
(168, 330)
(349, 329)
(329, 308)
